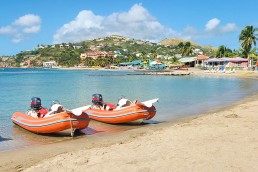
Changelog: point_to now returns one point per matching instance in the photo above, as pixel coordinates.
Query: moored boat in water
(124, 112)
(55, 123)
(52, 124)
(40, 120)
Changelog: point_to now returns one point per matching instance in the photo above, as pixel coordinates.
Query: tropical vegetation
(186, 49)
(127, 50)
(223, 51)
(248, 38)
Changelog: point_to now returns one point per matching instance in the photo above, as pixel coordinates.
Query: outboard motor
(97, 99)
(35, 103)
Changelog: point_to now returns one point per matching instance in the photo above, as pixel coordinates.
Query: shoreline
(191, 71)
(149, 140)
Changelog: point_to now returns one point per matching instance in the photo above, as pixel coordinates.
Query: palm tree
(223, 51)
(97, 61)
(185, 48)
(188, 49)
(253, 54)
(117, 60)
(88, 61)
(181, 47)
(247, 38)
(144, 55)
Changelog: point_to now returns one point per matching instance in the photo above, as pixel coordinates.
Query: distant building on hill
(197, 51)
(29, 56)
(49, 64)
(96, 54)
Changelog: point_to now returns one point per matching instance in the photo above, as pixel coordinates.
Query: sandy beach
(223, 139)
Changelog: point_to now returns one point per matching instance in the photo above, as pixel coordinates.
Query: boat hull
(56, 123)
(124, 115)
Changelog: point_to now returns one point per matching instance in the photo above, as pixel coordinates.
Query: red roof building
(96, 54)
(200, 60)
(202, 57)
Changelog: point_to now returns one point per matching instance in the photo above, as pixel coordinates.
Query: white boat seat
(55, 108)
(123, 103)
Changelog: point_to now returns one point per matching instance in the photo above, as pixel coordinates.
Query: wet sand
(222, 140)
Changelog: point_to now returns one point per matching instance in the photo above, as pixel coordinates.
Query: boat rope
(71, 125)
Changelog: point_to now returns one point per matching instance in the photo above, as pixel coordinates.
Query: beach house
(200, 60)
(96, 54)
(49, 64)
(236, 62)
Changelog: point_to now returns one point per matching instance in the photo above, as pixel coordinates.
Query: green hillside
(125, 49)
(208, 50)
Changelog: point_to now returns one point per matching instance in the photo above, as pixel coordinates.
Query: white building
(49, 64)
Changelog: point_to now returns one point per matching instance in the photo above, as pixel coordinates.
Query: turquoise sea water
(178, 96)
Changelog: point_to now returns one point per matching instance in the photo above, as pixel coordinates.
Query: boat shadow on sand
(2, 139)
(20, 132)
(95, 127)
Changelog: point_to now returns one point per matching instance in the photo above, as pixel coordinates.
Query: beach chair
(222, 69)
(213, 70)
(228, 70)
(231, 70)
(207, 71)
(217, 70)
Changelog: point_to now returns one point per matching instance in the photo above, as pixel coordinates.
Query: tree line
(247, 39)
(71, 57)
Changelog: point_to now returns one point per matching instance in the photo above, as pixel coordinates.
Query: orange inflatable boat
(124, 112)
(53, 123)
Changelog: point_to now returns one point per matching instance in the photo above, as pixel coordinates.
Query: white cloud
(22, 27)
(28, 20)
(213, 29)
(7, 30)
(84, 25)
(136, 14)
(17, 38)
(230, 27)
(136, 23)
(31, 29)
(212, 24)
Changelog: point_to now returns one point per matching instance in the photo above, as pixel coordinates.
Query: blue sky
(26, 23)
